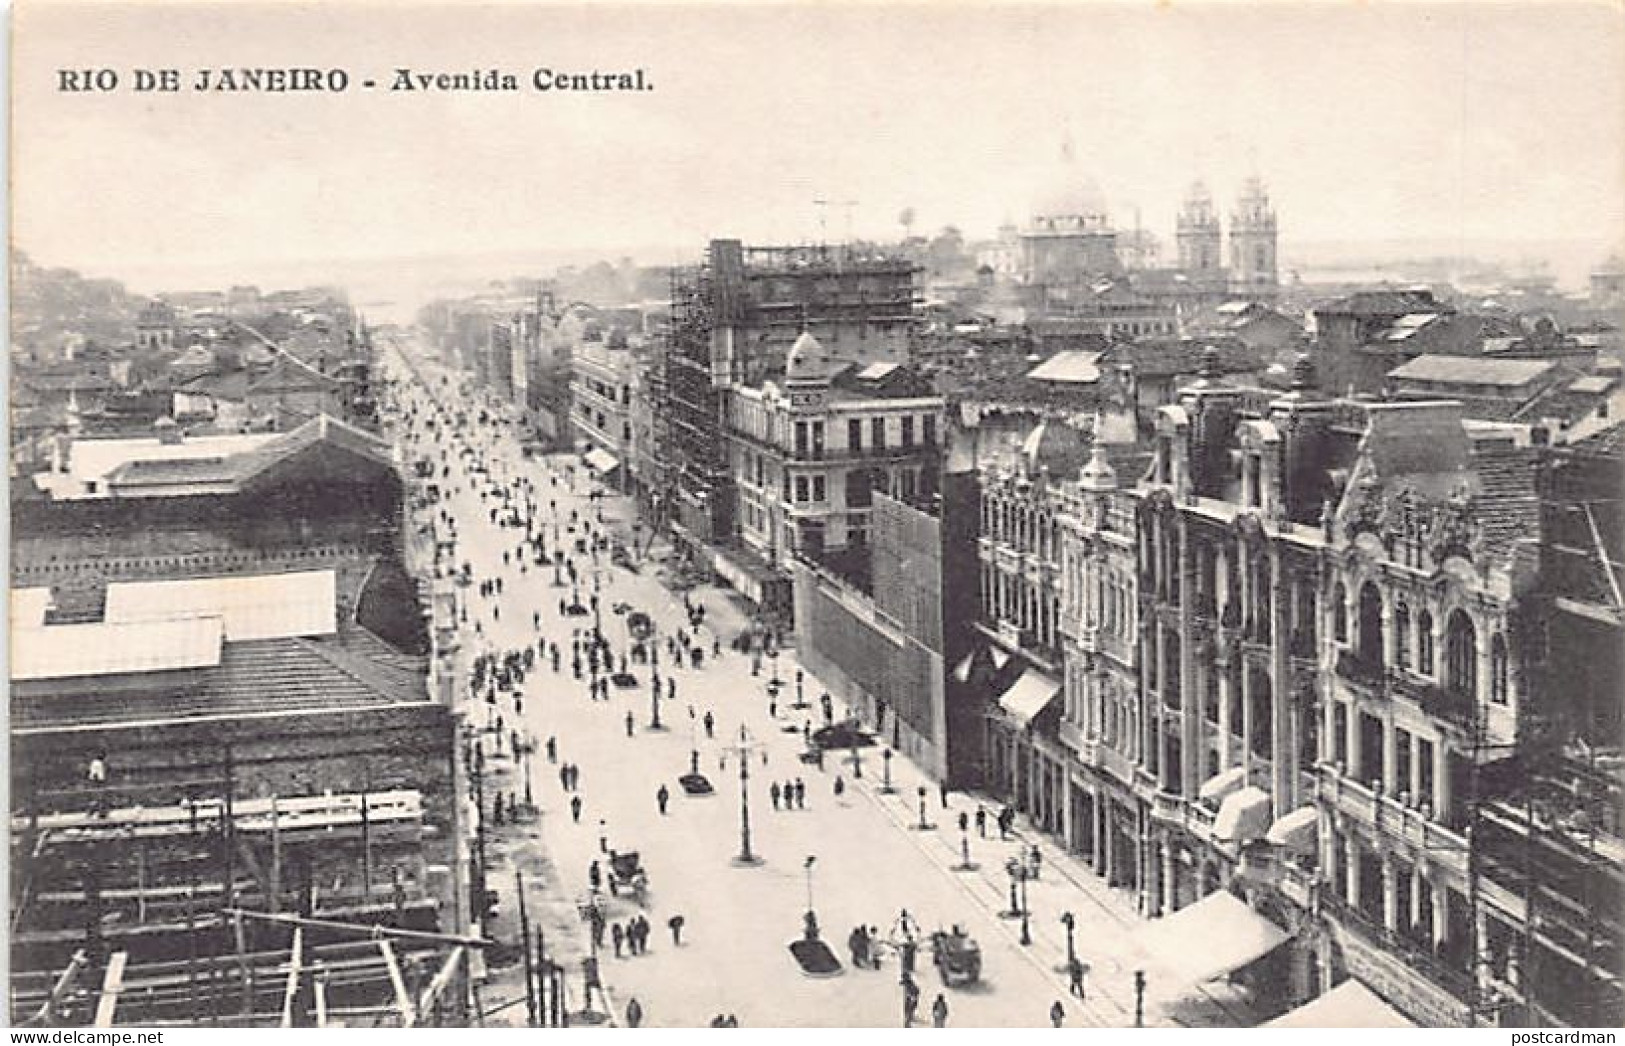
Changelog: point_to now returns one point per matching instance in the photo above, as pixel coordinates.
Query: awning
(601, 460)
(1209, 939)
(1029, 695)
(1243, 816)
(1297, 831)
(1349, 1005)
(1215, 788)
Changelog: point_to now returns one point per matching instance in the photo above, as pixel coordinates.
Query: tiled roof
(1507, 505)
(1610, 442)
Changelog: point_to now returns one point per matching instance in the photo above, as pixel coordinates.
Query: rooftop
(1072, 368)
(1470, 370)
(102, 649)
(262, 606)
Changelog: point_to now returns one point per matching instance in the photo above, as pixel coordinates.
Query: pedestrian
(662, 797)
(671, 689)
(552, 750)
(564, 777)
(575, 808)
(676, 924)
(911, 1000)
(942, 788)
(840, 786)
(939, 1012)
(1057, 1014)
(964, 822)
(774, 793)
(710, 725)
(616, 934)
(730, 1021)
(773, 706)
(634, 1013)
(1075, 969)
(801, 794)
(629, 723)
(595, 877)
(1037, 860)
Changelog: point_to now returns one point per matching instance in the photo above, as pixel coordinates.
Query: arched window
(1424, 643)
(1498, 669)
(1402, 634)
(1461, 654)
(1369, 647)
(1340, 615)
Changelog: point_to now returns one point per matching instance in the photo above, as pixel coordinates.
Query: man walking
(981, 821)
(662, 797)
(939, 1012)
(616, 936)
(773, 793)
(676, 924)
(634, 1013)
(1057, 1014)
(1075, 969)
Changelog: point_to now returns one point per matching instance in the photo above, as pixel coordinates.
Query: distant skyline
(1454, 124)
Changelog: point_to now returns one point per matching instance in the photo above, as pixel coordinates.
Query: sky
(1451, 124)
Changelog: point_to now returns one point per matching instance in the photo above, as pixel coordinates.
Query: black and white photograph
(892, 515)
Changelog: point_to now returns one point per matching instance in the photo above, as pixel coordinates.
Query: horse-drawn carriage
(957, 956)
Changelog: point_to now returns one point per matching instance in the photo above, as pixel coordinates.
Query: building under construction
(233, 789)
(733, 321)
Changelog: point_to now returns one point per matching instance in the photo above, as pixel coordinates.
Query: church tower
(1198, 235)
(1252, 242)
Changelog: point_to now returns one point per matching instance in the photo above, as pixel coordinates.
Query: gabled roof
(289, 372)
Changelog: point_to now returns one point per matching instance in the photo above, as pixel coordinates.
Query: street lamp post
(924, 825)
(965, 863)
(654, 707)
(1068, 921)
(857, 759)
(745, 857)
(1026, 913)
(1139, 998)
(885, 786)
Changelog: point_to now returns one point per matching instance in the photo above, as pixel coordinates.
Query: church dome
(1068, 192)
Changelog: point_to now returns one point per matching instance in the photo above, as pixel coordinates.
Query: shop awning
(1243, 816)
(1209, 939)
(1297, 831)
(1349, 1005)
(1029, 695)
(601, 460)
(1215, 788)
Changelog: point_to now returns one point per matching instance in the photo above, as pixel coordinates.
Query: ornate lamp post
(885, 758)
(924, 825)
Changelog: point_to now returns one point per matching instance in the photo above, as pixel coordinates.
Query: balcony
(1393, 820)
(1365, 673)
(1390, 963)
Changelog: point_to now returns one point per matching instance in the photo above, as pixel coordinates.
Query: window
(928, 430)
(818, 489)
(787, 486)
(801, 439)
(1340, 616)
(1402, 635)
(854, 434)
(1498, 669)
(859, 488)
(1461, 654)
(1424, 643)
(818, 439)
(877, 433)
(801, 488)
(908, 432)
(1370, 645)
